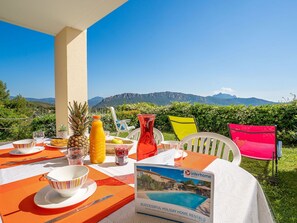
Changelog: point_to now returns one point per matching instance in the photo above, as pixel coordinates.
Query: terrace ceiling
(51, 16)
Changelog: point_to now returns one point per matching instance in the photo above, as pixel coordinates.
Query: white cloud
(225, 90)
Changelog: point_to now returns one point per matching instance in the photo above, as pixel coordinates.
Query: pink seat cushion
(256, 150)
(257, 142)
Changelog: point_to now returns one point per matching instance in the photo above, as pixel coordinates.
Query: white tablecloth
(238, 197)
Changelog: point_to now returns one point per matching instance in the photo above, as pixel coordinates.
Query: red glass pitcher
(147, 146)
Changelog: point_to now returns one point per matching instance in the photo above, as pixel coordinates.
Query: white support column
(70, 71)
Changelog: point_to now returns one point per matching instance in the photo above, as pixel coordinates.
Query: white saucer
(36, 149)
(50, 199)
(56, 147)
(179, 153)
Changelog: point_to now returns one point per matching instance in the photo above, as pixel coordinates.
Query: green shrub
(13, 125)
(213, 118)
(46, 123)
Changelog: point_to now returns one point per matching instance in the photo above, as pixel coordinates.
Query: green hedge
(13, 125)
(46, 123)
(214, 118)
(18, 118)
(209, 118)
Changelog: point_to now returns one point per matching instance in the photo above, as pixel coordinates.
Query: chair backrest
(114, 116)
(135, 135)
(255, 141)
(183, 126)
(213, 144)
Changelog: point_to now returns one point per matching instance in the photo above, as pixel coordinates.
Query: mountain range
(92, 102)
(165, 98)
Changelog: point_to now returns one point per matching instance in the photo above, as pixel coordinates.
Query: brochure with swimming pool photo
(184, 195)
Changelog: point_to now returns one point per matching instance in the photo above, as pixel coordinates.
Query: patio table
(238, 197)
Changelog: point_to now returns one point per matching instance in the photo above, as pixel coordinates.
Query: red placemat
(8, 160)
(17, 200)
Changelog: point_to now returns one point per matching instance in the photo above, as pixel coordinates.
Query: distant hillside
(91, 102)
(224, 96)
(165, 98)
(43, 100)
(94, 101)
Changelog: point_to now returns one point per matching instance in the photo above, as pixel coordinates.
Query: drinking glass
(38, 136)
(179, 153)
(121, 154)
(173, 144)
(107, 133)
(75, 155)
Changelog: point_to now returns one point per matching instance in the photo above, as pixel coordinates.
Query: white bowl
(67, 180)
(169, 144)
(24, 145)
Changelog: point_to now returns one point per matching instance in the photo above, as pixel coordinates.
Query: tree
(4, 93)
(21, 105)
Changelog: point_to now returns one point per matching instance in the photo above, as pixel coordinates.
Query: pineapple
(79, 123)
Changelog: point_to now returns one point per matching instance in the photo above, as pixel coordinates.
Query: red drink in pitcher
(147, 146)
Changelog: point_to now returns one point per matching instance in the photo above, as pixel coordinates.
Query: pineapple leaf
(78, 117)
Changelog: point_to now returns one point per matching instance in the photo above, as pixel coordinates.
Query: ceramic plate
(50, 199)
(55, 147)
(178, 154)
(36, 149)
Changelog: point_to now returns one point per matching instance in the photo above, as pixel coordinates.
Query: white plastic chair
(212, 144)
(121, 125)
(135, 135)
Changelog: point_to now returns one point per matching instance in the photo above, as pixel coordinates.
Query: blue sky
(176, 174)
(246, 48)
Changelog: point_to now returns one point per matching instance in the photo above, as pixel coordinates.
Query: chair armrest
(126, 120)
(279, 149)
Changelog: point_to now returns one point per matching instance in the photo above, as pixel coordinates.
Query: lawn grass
(281, 197)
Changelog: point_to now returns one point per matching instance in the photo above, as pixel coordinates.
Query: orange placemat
(8, 160)
(17, 200)
(197, 161)
(194, 160)
(133, 156)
